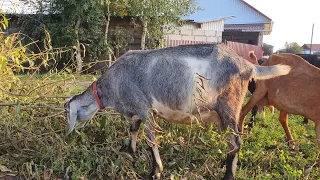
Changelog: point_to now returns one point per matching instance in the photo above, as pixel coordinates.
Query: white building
(315, 48)
(192, 32)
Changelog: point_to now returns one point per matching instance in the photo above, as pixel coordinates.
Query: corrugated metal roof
(212, 20)
(255, 10)
(248, 27)
(314, 47)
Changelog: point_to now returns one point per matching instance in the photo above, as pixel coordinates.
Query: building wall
(134, 29)
(207, 32)
(243, 50)
(307, 51)
(215, 26)
(195, 35)
(190, 26)
(254, 38)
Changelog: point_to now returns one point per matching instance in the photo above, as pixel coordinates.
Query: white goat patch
(198, 66)
(184, 116)
(167, 113)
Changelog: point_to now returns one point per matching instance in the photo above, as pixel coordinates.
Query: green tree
(112, 8)
(76, 22)
(154, 14)
(293, 48)
(268, 49)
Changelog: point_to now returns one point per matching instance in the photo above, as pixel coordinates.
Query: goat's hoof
(127, 149)
(156, 175)
(292, 144)
(130, 150)
(228, 177)
(123, 148)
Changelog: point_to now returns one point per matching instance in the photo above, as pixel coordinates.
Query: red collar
(95, 94)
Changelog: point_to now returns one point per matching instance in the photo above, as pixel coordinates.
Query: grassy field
(34, 146)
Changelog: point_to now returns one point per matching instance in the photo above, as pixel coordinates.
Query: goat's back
(171, 75)
(297, 92)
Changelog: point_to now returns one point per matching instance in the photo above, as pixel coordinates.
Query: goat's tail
(253, 57)
(267, 72)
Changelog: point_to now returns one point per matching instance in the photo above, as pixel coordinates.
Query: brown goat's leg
(255, 98)
(317, 126)
(271, 108)
(283, 118)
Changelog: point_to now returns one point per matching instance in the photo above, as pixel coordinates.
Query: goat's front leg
(157, 167)
(134, 128)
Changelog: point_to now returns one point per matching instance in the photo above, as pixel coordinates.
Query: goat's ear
(73, 114)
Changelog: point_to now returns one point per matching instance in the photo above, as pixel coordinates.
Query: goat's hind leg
(228, 120)
(258, 94)
(233, 150)
(317, 126)
(283, 118)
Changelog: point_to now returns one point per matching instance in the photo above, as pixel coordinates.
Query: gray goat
(169, 83)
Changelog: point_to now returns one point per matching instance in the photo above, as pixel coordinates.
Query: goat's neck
(103, 94)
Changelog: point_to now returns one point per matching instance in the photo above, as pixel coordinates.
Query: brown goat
(295, 93)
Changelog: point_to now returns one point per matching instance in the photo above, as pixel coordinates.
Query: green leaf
(103, 122)
(68, 70)
(3, 62)
(6, 23)
(31, 63)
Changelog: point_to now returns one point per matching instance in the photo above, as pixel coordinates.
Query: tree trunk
(107, 16)
(106, 39)
(144, 33)
(78, 50)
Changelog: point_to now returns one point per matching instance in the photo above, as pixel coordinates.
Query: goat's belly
(190, 119)
(182, 117)
(188, 114)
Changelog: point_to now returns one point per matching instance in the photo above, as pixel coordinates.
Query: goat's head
(80, 109)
